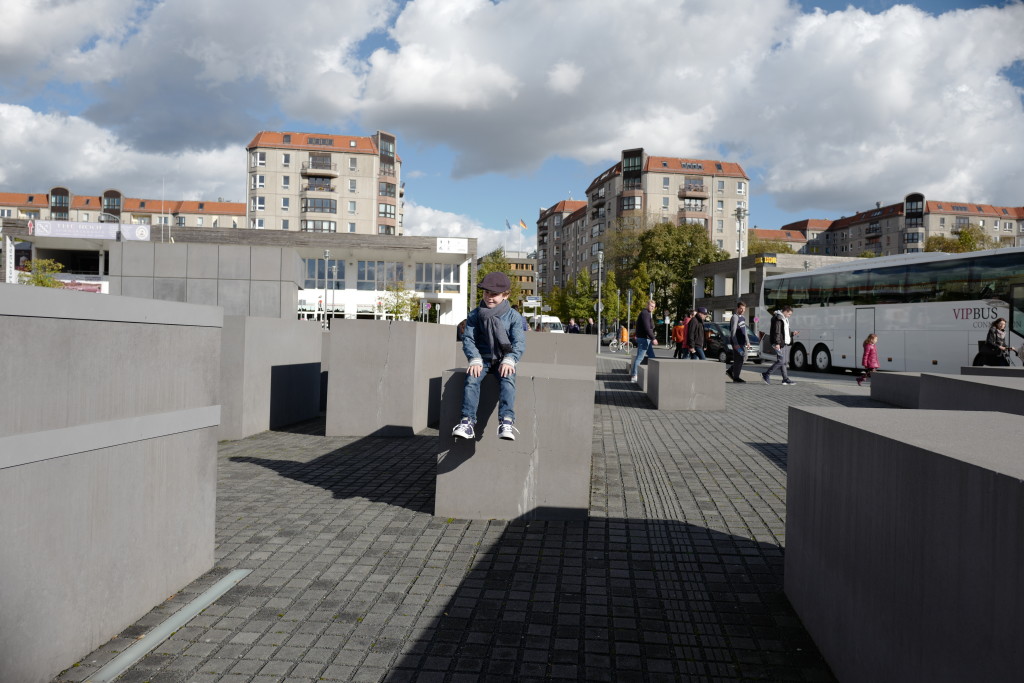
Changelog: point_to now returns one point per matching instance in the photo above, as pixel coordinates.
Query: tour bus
(929, 310)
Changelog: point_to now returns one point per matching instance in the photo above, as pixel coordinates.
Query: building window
(387, 189)
(385, 230)
(664, 203)
(720, 244)
(199, 222)
(720, 206)
(256, 223)
(285, 201)
(386, 210)
(351, 207)
(284, 224)
(286, 159)
(741, 187)
(286, 181)
(258, 203)
(179, 221)
(665, 182)
(353, 164)
(719, 226)
(721, 186)
(319, 205)
(287, 139)
(318, 226)
(351, 227)
(321, 274)
(437, 277)
(320, 184)
(258, 181)
(259, 159)
(377, 275)
(351, 185)
(629, 204)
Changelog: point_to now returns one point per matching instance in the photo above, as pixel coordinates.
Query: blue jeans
(643, 346)
(698, 353)
(506, 393)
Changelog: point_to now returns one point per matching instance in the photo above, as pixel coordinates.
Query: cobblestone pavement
(676, 575)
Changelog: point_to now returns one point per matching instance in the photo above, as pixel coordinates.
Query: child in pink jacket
(870, 359)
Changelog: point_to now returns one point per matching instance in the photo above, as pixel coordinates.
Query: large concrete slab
(901, 389)
(905, 542)
(544, 473)
(992, 371)
(270, 374)
(107, 467)
(969, 392)
(675, 384)
(561, 349)
(385, 376)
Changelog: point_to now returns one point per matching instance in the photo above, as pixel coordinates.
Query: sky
(503, 108)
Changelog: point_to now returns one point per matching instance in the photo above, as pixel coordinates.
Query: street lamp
(327, 306)
(600, 268)
(740, 214)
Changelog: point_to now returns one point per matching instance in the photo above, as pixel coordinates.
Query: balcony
(693, 191)
(872, 230)
(688, 212)
(320, 168)
(318, 190)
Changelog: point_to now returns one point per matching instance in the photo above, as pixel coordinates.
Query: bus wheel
(798, 358)
(822, 359)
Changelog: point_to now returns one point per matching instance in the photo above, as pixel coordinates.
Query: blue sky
(502, 108)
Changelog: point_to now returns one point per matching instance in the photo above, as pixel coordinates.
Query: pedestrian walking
(679, 337)
(995, 343)
(780, 337)
(738, 340)
(695, 338)
(870, 358)
(646, 339)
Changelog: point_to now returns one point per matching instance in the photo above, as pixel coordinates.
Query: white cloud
(565, 78)
(423, 220)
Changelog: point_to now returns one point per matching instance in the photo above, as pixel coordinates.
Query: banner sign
(96, 231)
(10, 274)
(452, 245)
(767, 258)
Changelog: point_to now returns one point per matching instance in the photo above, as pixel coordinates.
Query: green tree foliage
(556, 302)
(867, 254)
(496, 261)
(970, 238)
(611, 306)
(640, 284)
(579, 297)
(399, 303)
(756, 245)
(670, 253)
(39, 273)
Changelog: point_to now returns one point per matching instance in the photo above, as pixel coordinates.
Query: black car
(716, 343)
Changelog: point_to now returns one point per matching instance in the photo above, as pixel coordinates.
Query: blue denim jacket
(479, 351)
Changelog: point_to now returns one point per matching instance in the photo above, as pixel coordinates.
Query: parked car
(716, 344)
(606, 339)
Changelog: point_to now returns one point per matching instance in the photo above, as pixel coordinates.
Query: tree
(556, 302)
(579, 300)
(39, 273)
(969, 238)
(496, 262)
(756, 245)
(641, 293)
(398, 302)
(867, 254)
(609, 299)
(670, 253)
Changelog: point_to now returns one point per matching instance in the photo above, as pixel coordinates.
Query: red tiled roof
(21, 199)
(342, 143)
(780, 235)
(564, 206)
(708, 166)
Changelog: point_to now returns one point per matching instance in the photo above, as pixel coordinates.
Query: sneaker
(739, 381)
(788, 382)
(764, 378)
(860, 381)
(506, 429)
(633, 379)
(464, 430)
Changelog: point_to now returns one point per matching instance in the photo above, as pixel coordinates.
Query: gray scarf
(496, 334)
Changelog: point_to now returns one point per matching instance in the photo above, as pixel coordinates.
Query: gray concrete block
(170, 289)
(561, 349)
(289, 300)
(905, 542)
(901, 389)
(116, 253)
(385, 377)
(685, 384)
(202, 261)
(233, 296)
(170, 260)
(114, 285)
(971, 392)
(234, 262)
(201, 291)
(270, 374)
(138, 287)
(137, 259)
(991, 371)
(544, 473)
(265, 299)
(266, 263)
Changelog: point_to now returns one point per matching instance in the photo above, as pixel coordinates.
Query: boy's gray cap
(496, 282)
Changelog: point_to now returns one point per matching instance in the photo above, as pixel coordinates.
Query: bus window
(819, 291)
(952, 279)
(863, 295)
(991, 275)
(888, 285)
(776, 294)
(798, 295)
(842, 289)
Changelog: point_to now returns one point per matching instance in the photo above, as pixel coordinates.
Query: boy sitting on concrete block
(493, 342)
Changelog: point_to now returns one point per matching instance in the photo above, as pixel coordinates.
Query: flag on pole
(522, 224)
(507, 224)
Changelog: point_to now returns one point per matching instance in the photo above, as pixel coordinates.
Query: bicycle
(616, 346)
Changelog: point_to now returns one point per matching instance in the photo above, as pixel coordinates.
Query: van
(546, 323)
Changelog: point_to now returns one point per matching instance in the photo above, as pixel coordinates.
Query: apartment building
(309, 182)
(904, 227)
(641, 190)
(112, 206)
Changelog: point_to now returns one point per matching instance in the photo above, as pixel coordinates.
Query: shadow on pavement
(617, 599)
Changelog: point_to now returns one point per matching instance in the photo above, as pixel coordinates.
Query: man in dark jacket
(695, 334)
(738, 341)
(780, 337)
(645, 338)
